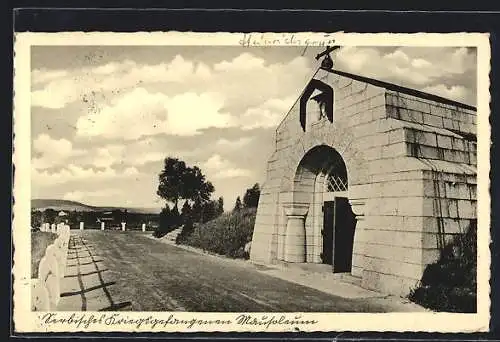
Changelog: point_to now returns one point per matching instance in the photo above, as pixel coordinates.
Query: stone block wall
(452, 117)
(411, 167)
(420, 193)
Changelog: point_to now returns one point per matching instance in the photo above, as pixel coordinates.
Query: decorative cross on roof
(327, 62)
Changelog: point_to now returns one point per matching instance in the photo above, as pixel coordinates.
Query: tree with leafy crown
(237, 204)
(251, 197)
(186, 212)
(220, 206)
(178, 181)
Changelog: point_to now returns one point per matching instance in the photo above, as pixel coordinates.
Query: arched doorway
(320, 187)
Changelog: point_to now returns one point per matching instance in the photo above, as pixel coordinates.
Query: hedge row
(226, 235)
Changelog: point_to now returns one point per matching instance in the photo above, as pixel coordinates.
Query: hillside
(57, 204)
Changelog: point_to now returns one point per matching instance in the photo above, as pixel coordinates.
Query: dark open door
(328, 213)
(344, 223)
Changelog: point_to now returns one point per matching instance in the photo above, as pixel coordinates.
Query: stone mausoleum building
(369, 177)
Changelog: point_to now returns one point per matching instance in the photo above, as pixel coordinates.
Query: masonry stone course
(411, 173)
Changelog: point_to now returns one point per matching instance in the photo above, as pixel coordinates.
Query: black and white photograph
(267, 182)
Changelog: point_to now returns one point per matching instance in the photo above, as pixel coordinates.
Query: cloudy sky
(104, 118)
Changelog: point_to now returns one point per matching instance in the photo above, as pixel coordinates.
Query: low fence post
(123, 226)
(143, 227)
(102, 225)
(40, 299)
(48, 274)
(81, 225)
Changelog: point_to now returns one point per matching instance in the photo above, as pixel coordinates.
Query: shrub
(187, 230)
(225, 235)
(450, 283)
(169, 220)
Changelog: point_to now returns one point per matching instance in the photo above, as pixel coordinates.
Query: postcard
(251, 182)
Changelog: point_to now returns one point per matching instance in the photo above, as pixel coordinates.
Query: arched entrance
(320, 221)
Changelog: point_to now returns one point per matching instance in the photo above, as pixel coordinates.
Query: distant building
(62, 213)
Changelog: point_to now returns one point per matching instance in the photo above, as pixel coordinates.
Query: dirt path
(115, 270)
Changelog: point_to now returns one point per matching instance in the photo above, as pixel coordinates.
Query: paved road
(115, 270)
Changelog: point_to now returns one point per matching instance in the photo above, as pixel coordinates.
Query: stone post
(53, 228)
(123, 226)
(295, 238)
(81, 225)
(102, 225)
(358, 262)
(143, 227)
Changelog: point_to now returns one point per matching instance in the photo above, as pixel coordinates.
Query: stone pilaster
(295, 239)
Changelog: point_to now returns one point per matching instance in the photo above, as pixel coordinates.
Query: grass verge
(39, 243)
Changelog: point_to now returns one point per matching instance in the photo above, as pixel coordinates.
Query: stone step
(349, 278)
(172, 236)
(321, 269)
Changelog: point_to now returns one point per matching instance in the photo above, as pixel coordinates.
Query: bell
(327, 63)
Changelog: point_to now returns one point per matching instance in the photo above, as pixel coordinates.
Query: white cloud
(59, 152)
(233, 172)
(412, 66)
(398, 57)
(87, 196)
(60, 87)
(75, 173)
(54, 96)
(239, 79)
(410, 75)
(74, 196)
(203, 71)
(131, 171)
(355, 59)
(45, 75)
(420, 63)
(140, 113)
(59, 148)
(461, 60)
(244, 62)
(233, 144)
(268, 114)
(147, 157)
(188, 113)
(133, 153)
(53, 152)
(215, 162)
(103, 157)
(458, 93)
(236, 79)
(217, 167)
(370, 62)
